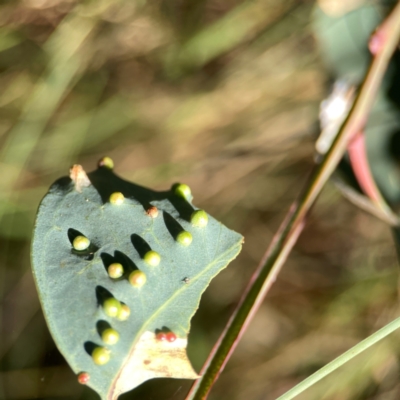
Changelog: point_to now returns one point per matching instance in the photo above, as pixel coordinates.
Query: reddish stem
(359, 163)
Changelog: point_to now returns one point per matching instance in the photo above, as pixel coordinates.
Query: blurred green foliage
(222, 95)
(343, 43)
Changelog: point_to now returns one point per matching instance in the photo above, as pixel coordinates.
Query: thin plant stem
(342, 359)
(364, 202)
(291, 227)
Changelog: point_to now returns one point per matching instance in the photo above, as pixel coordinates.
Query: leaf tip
(79, 177)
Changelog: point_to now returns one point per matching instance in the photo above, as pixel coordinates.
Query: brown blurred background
(222, 95)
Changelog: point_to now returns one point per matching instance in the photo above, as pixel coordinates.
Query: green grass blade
(343, 359)
(63, 68)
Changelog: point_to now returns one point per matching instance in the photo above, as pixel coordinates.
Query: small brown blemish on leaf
(146, 362)
(79, 177)
(152, 212)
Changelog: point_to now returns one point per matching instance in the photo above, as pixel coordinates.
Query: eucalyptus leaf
(88, 222)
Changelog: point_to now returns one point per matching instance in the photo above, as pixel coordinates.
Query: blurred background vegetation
(224, 96)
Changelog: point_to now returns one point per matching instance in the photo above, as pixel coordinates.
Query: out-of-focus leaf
(343, 42)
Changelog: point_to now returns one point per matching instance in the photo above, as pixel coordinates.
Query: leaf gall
(152, 212)
(83, 378)
(137, 278)
(152, 258)
(81, 243)
(115, 270)
(110, 336)
(162, 336)
(183, 190)
(199, 218)
(171, 337)
(111, 307)
(101, 355)
(184, 238)
(124, 313)
(106, 162)
(117, 198)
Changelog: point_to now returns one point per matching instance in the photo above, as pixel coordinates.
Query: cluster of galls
(114, 309)
(166, 336)
(111, 306)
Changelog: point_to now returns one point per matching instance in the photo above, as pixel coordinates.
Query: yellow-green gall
(199, 218)
(81, 243)
(184, 238)
(106, 162)
(110, 336)
(101, 355)
(115, 270)
(111, 307)
(137, 278)
(117, 198)
(183, 190)
(124, 312)
(152, 258)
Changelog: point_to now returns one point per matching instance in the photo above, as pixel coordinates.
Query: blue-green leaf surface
(74, 285)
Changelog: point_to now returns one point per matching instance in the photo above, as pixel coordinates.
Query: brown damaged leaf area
(152, 358)
(79, 177)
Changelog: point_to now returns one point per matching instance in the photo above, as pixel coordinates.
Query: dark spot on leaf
(89, 257)
(146, 362)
